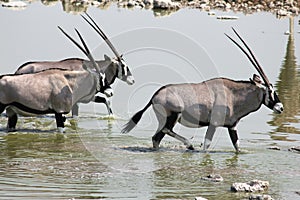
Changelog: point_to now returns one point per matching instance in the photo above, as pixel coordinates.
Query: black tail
(135, 119)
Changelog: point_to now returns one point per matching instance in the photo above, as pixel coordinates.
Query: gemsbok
(219, 102)
(51, 91)
(112, 67)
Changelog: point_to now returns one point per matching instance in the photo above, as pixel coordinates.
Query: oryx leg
(60, 119)
(2, 108)
(156, 139)
(185, 141)
(159, 135)
(208, 136)
(12, 120)
(168, 129)
(105, 101)
(234, 138)
(75, 110)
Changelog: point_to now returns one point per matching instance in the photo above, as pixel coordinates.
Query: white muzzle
(130, 80)
(278, 108)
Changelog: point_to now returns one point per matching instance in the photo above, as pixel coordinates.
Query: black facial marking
(104, 86)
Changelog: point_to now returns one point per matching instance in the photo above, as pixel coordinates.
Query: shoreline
(279, 8)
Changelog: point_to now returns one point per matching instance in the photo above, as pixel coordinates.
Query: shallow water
(94, 161)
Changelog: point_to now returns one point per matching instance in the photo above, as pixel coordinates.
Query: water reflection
(288, 87)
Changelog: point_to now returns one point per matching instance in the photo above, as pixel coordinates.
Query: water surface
(94, 161)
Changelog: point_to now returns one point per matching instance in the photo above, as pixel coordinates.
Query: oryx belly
(10, 110)
(195, 116)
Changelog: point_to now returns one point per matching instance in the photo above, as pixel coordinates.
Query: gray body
(50, 91)
(218, 102)
(213, 103)
(109, 66)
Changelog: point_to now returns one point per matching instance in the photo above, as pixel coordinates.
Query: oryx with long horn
(51, 91)
(112, 67)
(219, 102)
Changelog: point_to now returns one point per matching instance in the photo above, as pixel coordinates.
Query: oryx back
(33, 67)
(218, 101)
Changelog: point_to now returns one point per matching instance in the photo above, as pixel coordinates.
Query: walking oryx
(50, 91)
(213, 103)
(112, 67)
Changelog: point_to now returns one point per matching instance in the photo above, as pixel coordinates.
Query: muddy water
(94, 161)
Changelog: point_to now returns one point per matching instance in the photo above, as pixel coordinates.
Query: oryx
(219, 102)
(50, 91)
(112, 67)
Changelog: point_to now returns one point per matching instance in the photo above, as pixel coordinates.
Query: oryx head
(271, 100)
(123, 70)
(102, 83)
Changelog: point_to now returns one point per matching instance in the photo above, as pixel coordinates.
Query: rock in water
(295, 149)
(252, 186)
(213, 178)
(274, 148)
(260, 197)
(200, 198)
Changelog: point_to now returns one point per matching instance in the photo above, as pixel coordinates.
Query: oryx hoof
(238, 150)
(11, 129)
(190, 147)
(61, 129)
(206, 144)
(75, 117)
(155, 146)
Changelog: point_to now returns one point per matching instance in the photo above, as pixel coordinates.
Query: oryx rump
(219, 102)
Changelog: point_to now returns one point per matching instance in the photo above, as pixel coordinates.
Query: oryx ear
(106, 57)
(256, 80)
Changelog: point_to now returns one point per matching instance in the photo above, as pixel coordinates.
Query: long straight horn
(89, 55)
(261, 71)
(243, 50)
(70, 38)
(84, 49)
(251, 58)
(95, 26)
